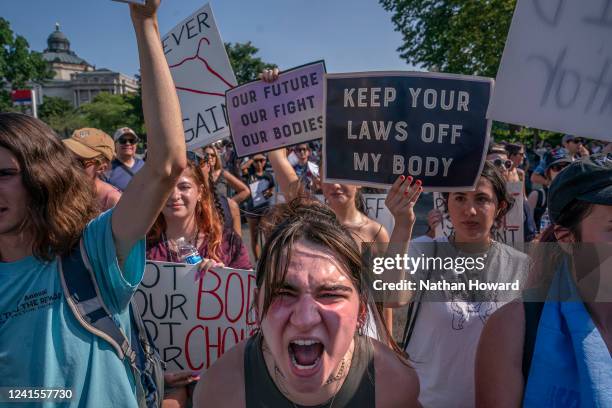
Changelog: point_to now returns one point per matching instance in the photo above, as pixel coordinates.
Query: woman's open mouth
(305, 355)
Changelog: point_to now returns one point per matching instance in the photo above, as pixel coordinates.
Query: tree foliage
(245, 64)
(18, 64)
(60, 115)
(110, 112)
(457, 36)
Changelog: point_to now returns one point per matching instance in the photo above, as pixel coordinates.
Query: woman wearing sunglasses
(261, 186)
(223, 179)
(193, 212)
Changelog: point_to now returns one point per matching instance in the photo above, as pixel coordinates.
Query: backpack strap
(533, 311)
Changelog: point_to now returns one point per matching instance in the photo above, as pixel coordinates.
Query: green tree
(458, 36)
(18, 64)
(60, 115)
(245, 64)
(109, 112)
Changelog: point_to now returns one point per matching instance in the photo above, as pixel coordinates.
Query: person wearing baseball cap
(552, 164)
(568, 333)
(575, 146)
(94, 150)
(125, 164)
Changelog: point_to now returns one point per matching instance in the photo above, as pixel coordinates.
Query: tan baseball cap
(89, 143)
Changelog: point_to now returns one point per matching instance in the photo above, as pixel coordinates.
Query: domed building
(75, 79)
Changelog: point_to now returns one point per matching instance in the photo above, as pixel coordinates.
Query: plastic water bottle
(187, 253)
(544, 221)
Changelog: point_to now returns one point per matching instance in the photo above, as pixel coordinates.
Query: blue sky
(350, 35)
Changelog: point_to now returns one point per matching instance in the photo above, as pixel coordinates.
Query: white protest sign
(376, 209)
(194, 322)
(257, 192)
(511, 229)
(202, 73)
(555, 72)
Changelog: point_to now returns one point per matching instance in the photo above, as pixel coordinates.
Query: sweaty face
(311, 323)
(182, 202)
(13, 195)
(473, 212)
(339, 194)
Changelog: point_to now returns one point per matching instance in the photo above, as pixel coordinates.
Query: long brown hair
(306, 219)
(207, 216)
(61, 200)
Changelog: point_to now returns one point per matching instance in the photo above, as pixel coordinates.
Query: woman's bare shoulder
(397, 383)
(223, 383)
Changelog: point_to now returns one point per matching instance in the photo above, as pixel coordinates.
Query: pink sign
(265, 116)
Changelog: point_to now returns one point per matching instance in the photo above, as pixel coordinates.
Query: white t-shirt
(442, 348)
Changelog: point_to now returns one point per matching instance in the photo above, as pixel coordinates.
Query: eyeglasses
(301, 149)
(210, 154)
(85, 163)
(259, 160)
(507, 164)
(124, 141)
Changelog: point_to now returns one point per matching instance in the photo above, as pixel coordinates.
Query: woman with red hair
(192, 212)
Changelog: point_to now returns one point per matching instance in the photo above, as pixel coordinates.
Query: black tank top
(227, 213)
(358, 390)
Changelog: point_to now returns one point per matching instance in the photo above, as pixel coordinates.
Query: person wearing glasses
(575, 146)
(516, 153)
(94, 150)
(498, 156)
(125, 164)
(306, 170)
(223, 179)
(261, 184)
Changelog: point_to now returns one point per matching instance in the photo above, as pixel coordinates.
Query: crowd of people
(322, 338)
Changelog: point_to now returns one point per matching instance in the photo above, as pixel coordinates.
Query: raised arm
(400, 201)
(242, 190)
(166, 156)
(287, 179)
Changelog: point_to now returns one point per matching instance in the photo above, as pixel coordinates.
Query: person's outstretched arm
(166, 156)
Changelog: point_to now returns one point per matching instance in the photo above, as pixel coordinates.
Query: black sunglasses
(502, 163)
(124, 141)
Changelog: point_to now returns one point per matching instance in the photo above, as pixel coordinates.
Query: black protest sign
(431, 126)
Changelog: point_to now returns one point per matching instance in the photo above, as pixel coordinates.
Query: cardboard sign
(376, 209)
(202, 73)
(511, 230)
(431, 126)
(265, 116)
(556, 71)
(194, 323)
